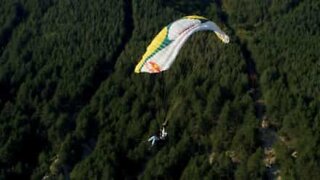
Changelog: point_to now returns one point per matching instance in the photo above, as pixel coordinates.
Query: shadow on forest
(188, 7)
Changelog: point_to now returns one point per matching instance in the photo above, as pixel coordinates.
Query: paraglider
(153, 139)
(164, 48)
(163, 133)
(162, 136)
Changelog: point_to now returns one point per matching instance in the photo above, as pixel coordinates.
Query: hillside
(71, 106)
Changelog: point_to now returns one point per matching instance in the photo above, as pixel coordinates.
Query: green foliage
(285, 51)
(71, 106)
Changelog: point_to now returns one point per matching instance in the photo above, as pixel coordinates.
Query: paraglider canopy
(164, 48)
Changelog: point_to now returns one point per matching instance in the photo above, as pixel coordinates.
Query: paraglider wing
(164, 48)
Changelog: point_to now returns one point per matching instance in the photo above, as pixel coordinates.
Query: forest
(71, 106)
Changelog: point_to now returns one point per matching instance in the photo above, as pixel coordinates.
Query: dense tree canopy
(71, 106)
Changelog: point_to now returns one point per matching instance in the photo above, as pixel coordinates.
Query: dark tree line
(71, 106)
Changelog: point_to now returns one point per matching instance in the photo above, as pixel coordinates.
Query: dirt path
(267, 135)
